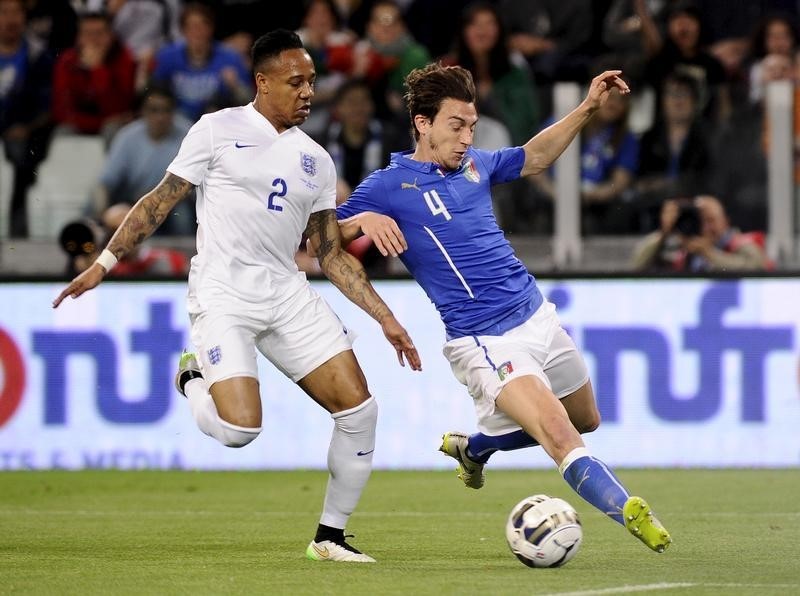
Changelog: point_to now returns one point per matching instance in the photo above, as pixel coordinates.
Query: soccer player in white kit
(261, 182)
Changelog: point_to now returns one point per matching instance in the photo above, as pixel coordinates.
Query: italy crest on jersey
(470, 171)
(308, 163)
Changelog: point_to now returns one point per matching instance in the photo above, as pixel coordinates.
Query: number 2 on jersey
(279, 183)
(435, 204)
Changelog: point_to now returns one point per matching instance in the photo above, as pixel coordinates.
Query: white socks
(349, 461)
(349, 454)
(205, 414)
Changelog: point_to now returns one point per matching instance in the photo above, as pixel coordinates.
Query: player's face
(285, 88)
(447, 138)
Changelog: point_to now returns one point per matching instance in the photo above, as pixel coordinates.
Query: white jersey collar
(264, 122)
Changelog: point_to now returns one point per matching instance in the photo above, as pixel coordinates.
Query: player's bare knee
(235, 435)
(589, 422)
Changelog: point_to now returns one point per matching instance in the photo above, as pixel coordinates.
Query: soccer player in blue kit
(432, 207)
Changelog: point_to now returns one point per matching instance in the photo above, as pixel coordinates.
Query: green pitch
(735, 531)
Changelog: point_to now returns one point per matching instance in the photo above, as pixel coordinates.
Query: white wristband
(107, 260)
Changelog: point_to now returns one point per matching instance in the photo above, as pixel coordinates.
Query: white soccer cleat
(327, 550)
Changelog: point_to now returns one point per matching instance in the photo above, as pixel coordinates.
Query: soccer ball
(544, 531)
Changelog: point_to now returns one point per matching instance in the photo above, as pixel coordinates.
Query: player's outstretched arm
(543, 149)
(347, 274)
(142, 220)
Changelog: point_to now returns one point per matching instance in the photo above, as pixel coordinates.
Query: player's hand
(384, 233)
(602, 85)
(87, 280)
(401, 342)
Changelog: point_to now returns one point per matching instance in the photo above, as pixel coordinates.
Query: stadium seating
(64, 183)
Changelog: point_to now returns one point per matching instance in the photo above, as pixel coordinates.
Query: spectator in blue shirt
(25, 90)
(609, 161)
(200, 71)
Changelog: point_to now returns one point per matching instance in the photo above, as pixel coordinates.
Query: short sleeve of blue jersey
(504, 165)
(369, 195)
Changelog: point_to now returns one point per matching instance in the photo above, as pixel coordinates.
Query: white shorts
(539, 347)
(297, 336)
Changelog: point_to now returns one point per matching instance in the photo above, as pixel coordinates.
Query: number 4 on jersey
(435, 204)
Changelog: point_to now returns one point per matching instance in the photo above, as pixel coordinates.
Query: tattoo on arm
(342, 268)
(148, 213)
(323, 231)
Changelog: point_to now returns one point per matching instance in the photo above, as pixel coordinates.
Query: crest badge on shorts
(504, 370)
(215, 355)
(308, 163)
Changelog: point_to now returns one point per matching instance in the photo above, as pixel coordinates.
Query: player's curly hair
(427, 87)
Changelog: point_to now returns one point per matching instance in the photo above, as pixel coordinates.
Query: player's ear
(261, 83)
(422, 124)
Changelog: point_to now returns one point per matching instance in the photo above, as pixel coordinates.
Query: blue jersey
(456, 250)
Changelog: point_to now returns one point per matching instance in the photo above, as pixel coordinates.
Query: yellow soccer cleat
(454, 444)
(641, 522)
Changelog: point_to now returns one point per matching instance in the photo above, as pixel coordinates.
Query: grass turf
(103, 532)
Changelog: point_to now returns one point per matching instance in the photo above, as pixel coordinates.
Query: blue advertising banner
(686, 372)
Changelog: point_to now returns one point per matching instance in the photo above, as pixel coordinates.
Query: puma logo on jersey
(405, 185)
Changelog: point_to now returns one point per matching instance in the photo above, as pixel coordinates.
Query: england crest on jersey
(308, 163)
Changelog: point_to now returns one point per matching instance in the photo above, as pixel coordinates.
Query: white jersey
(255, 191)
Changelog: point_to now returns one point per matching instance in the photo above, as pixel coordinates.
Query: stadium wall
(688, 372)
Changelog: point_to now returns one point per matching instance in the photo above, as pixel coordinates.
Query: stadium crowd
(138, 73)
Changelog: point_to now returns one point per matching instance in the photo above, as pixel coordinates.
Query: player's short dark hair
(428, 87)
(271, 44)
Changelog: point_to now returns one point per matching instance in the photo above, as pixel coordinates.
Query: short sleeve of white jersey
(327, 195)
(195, 153)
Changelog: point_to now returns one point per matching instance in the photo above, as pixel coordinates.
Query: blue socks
(481, 446)
(595, 482)
(587, 475)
